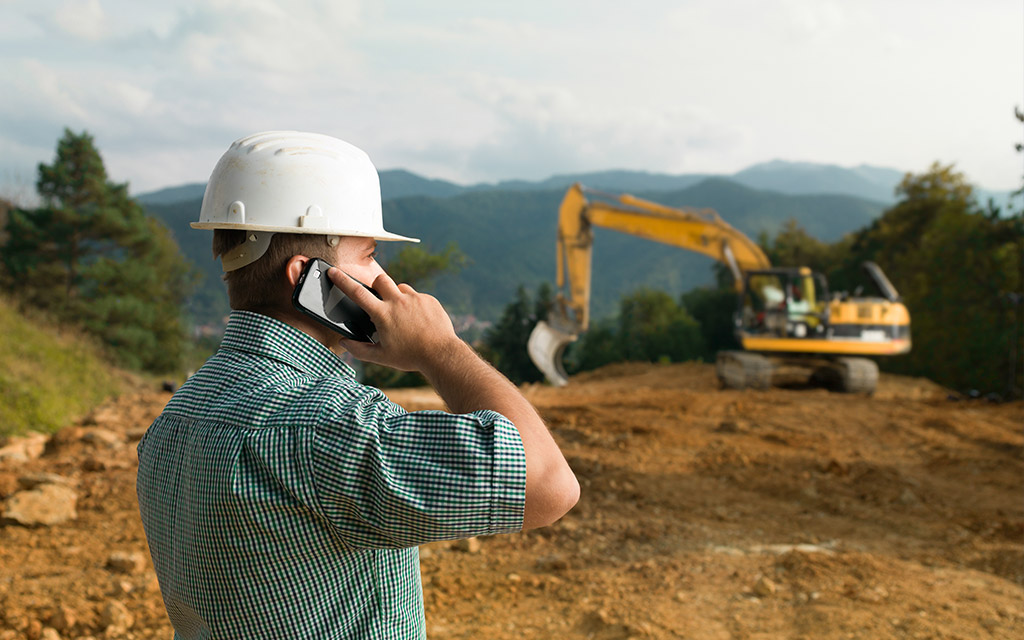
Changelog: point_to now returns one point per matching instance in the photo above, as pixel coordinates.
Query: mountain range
(796, 178)
(507, 229)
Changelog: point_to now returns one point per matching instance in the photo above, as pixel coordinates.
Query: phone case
(317, 297)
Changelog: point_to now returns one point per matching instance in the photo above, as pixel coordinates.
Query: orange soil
(705, 514)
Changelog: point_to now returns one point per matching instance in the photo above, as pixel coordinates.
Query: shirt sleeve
(387, 478)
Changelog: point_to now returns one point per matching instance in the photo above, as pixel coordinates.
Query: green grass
(49, 376)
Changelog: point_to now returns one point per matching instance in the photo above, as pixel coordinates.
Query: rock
(130, 562)
(34, 629)
(23, 448)
(8, 483)
(568, 524)
(49, 633)
(764, 587)
(101, 416)
(134, 435)
(46, 505)
(468, 545)
(103, 438)
(836, 468)
(875, 595)
(33, 480)
(92, 463)
(727, 426)
(908, 498)
(115, 617)
(64, 618)
(554, 562)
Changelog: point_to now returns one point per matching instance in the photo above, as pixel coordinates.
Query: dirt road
(706, 514)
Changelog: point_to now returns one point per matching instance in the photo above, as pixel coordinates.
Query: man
(283, 499)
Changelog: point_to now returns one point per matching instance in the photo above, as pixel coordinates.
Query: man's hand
(414, 332)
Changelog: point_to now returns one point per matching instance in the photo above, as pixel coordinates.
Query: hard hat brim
(380, 235)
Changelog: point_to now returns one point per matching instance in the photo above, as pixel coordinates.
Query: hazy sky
(482, 91)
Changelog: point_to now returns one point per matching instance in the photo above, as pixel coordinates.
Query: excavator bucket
(546, 346)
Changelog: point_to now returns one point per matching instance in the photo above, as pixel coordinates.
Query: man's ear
(293, 269)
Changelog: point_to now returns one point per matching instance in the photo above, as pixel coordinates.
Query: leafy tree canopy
(417, 266)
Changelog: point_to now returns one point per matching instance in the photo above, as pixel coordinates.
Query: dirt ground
(705, 514)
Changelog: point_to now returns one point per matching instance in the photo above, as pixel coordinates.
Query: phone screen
(317, 297)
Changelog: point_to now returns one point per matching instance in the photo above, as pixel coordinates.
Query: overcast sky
(470, 90)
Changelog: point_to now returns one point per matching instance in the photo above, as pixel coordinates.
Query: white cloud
(267, 36)
(132, 99)
(41, 91)
(81, 19)
(489, 91)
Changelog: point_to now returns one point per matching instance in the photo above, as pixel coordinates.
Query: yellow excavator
(786, 319)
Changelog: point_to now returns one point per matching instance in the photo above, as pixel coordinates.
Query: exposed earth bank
(706, 514)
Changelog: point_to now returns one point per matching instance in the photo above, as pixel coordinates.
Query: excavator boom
(700, 230)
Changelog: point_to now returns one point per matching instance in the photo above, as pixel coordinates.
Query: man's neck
(296, 320)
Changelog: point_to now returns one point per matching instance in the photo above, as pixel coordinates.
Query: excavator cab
(786, 303)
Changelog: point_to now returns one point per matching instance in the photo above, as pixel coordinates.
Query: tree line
(91, 257)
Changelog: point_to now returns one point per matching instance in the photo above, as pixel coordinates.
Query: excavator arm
(700, 230)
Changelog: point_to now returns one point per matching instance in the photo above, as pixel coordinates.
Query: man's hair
(256, 286)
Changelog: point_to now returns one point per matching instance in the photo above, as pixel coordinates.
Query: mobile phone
(317, 297)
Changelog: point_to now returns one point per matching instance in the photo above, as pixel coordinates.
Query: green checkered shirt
(283, 499)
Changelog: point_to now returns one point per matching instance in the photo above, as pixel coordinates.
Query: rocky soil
(706, 514)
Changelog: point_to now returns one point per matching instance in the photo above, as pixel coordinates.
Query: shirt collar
(265, 336)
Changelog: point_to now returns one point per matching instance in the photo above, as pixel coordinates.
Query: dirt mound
(705, 514)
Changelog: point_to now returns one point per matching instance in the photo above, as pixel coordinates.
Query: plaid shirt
(283, 499)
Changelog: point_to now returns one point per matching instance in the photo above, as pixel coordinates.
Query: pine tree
(90, 256)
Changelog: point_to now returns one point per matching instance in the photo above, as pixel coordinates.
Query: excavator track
(741, 370)
(745, 370)
(858, 375)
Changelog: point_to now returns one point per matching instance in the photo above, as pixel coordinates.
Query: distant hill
(509, 237)
(399, 183)
(394, 183)
(794, 178)
(872, 183)
(171, 195)
(612, 180)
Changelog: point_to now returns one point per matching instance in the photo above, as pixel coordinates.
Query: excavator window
(785, 304)
(764, 304)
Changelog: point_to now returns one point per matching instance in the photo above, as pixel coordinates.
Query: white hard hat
(292, 182)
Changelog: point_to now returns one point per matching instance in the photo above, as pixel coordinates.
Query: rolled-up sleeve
(385, 477)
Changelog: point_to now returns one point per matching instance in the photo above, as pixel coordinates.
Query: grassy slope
(49, 377)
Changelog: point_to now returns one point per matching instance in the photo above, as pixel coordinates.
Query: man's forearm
(468, 383)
